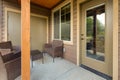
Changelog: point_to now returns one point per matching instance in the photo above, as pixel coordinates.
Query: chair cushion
(5, 51)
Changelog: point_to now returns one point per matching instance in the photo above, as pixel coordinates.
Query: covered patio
(42, 21)
(61, 69)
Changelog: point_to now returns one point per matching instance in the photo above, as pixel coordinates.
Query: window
(56, 24)
(62, 23)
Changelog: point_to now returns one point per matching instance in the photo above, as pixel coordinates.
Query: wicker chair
(12, 61)
(55, 49)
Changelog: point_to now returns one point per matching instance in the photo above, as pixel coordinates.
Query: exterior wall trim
(78, 32)
(18, 11)
(115, 40)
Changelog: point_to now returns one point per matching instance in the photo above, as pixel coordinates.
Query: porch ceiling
(46, 3)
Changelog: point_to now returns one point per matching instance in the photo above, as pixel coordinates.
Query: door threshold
(96, 72)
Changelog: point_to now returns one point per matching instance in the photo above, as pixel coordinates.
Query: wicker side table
(35, 55)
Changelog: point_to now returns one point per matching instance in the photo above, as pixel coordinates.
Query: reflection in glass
(65, 31)
(56, 24)
(100, 34)
(62, 18)
(65, 23)
(95, 33)
(89, 36)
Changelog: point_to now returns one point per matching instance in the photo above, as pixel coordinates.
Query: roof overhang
(49, 4)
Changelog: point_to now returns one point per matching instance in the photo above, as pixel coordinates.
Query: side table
(35, 55)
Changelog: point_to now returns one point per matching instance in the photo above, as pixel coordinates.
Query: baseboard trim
(96, 72)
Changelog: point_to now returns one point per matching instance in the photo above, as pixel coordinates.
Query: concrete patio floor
(61, 69)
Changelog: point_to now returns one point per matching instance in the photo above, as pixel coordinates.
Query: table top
(35, 52)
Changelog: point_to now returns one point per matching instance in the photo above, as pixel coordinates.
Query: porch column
(25, 39)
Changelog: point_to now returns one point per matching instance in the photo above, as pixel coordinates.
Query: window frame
(66, 2)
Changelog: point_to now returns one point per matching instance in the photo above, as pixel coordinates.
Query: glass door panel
(95, 33)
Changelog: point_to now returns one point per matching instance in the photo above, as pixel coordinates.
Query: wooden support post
(25, 39)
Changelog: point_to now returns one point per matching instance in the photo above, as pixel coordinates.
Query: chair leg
(32, 64)
(42, 60)
(53, 59)
(42, 57)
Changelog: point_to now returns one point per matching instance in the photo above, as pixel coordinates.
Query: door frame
(98, 65)
(115, 37)
(19, 11)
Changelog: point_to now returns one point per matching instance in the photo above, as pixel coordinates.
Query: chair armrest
(7, 57)
(10, 56)
(13, 68)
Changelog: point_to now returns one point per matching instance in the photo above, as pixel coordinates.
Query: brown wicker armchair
(11, 60)
(55, 49)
